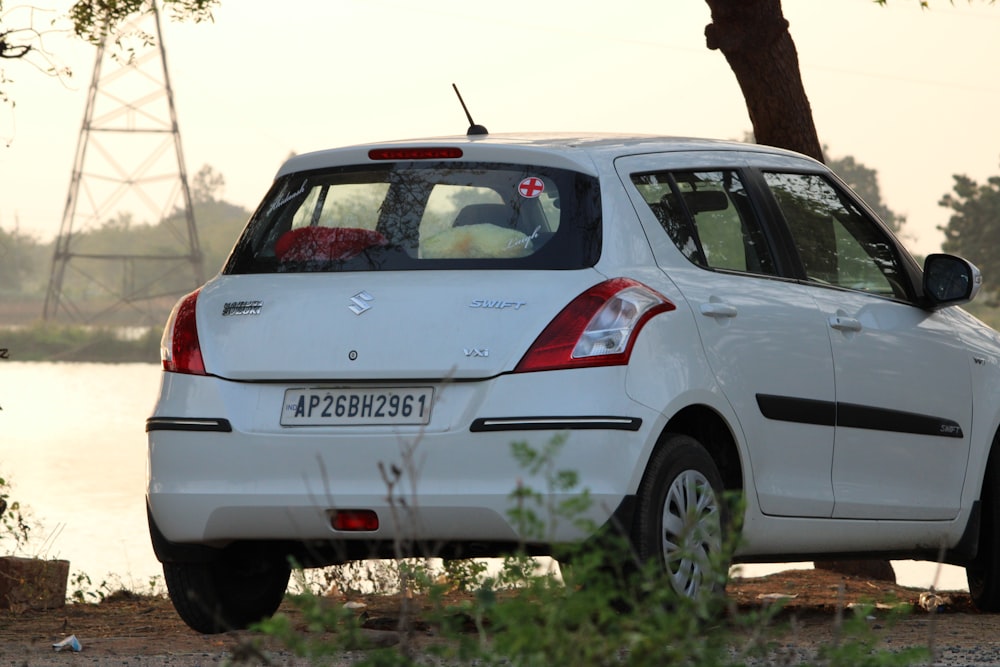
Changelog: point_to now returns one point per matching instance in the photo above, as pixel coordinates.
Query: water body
(73, 444)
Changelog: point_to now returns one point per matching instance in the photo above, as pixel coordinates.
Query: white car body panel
(749, 355)
(321, 469)
(918, 354)
(810, 488)
(306, 327)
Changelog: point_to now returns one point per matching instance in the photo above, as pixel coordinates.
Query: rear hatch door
(378, 325)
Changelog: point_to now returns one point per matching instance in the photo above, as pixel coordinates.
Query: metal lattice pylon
(128, 177)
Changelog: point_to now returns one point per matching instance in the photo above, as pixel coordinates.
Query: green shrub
(52, 342)
(602, 607)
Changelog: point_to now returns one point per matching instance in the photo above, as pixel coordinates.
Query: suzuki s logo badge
(361, 302)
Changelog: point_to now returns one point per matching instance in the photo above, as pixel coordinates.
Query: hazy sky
(913, 94)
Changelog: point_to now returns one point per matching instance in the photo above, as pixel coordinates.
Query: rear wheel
(680, 516)
(229, 593)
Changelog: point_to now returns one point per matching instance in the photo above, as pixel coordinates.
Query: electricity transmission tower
(128, 177)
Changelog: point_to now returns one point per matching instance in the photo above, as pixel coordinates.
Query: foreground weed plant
(15, 522)
(603, 607)
(81, 589)
(859, 647)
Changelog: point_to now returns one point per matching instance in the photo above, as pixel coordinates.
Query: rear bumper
(321, 553)
(222, 469)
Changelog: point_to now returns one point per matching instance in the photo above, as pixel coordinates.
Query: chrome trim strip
(555, 423)
(212, 424)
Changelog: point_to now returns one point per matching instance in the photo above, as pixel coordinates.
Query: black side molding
(213, 424)
(798, 410)
(850, 415)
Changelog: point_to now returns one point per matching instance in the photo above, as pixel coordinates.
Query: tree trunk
(753, 36)
(874, 570)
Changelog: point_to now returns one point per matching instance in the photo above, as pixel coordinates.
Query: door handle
(717, 309)
(841, 323)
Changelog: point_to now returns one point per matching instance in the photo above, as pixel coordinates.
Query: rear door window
(414, 215)
(708, 216)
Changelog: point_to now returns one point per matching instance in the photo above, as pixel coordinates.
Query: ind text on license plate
(337, 406)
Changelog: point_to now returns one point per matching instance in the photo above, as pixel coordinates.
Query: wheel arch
(992, 462)
(989, 485)
(710, 429)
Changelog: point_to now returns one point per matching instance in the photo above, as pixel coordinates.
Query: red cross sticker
(531, 187)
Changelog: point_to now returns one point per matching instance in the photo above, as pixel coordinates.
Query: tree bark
(753, 36)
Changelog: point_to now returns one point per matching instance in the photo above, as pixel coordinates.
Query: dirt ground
(133, 630)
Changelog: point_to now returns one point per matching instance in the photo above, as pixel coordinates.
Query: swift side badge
(497, 304)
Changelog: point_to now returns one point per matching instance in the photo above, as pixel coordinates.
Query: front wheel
(983, 573)
(229, 593)
(680, 517)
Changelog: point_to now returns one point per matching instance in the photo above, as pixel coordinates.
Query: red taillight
(597, 328)
(180, 350)
(424, 153)
(354, 520)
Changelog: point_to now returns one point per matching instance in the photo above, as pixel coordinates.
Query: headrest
(490, 214)
(699, 201)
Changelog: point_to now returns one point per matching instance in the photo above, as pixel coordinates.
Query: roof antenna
(473, 128)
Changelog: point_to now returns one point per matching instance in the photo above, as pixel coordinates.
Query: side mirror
(950, 280)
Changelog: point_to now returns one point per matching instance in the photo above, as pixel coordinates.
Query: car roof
(575, 150)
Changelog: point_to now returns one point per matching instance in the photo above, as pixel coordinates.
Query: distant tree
(207, 185)
(19, 259)
(122, 222)
(973, 231)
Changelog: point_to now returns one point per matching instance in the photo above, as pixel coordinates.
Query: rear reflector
(425, 153)
(354, 520)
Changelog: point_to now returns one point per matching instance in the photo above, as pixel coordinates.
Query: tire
(226, 594)
(983, 574)
(680, 517)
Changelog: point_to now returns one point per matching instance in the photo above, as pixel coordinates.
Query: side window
(837, 243)
(707, 214)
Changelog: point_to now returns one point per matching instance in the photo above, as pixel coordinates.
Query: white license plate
(356, 407)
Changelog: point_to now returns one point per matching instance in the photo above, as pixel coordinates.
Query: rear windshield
(420, 215)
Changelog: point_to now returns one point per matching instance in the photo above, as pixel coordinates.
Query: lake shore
(45, 341)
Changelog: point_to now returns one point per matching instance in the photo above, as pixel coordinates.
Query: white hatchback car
(691, 316)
